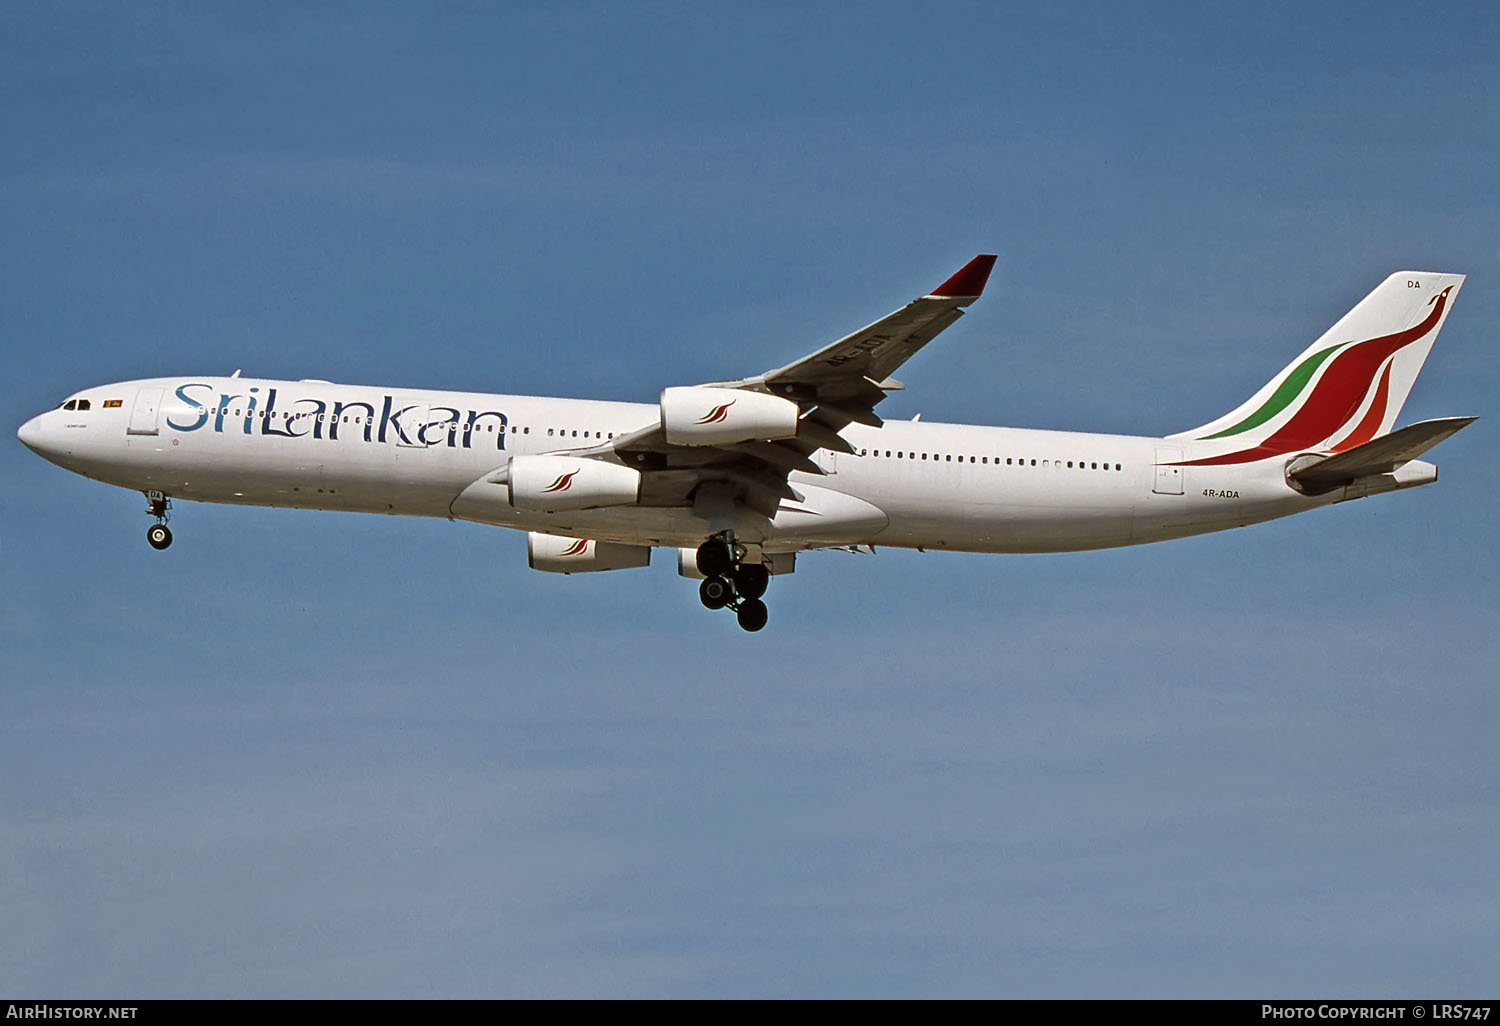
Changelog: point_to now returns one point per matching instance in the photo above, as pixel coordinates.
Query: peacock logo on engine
(562, 484)
(718, 414)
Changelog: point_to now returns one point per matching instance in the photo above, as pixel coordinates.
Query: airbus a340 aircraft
(739, 476)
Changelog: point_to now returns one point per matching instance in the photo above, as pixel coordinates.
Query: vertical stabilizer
(1347, 387)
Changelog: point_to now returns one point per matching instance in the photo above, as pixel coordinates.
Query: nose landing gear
(732, 583)
(158, 535)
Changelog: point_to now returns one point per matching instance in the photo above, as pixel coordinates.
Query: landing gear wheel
(715, 557)
(715, 592)
(752, 614)
(750, 580)
(159, 536)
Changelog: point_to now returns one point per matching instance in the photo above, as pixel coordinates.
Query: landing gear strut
(730, 582)
(158, 534)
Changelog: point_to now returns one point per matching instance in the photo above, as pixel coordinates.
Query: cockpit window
(83, 404)
(71, 404)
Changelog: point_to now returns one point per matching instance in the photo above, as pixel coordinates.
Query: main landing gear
(730, 582)
(158, 534)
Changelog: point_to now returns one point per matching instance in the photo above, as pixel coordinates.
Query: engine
(558, 555)
(702, 415)
(552, 484)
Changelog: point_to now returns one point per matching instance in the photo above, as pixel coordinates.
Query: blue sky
(308, 754)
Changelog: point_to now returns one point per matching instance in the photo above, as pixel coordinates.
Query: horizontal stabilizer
(1383, 455)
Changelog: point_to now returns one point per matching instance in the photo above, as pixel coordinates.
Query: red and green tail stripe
(1335, 398)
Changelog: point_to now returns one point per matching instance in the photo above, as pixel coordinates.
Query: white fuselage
(317, 445)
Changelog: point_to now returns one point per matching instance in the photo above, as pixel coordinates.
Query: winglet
(968, 283)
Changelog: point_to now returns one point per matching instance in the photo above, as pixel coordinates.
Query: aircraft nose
(30, 434)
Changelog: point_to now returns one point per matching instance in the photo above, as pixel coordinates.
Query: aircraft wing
(853, 374)
(838, 385)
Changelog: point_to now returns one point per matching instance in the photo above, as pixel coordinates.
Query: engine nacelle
(700, 415)
(552, 484)
(556, 555)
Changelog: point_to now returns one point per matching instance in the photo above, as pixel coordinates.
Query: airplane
(740, 476)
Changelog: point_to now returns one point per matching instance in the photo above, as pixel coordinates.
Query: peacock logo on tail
(1328, 404)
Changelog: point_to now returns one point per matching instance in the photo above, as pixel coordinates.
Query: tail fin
(1348, 386)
